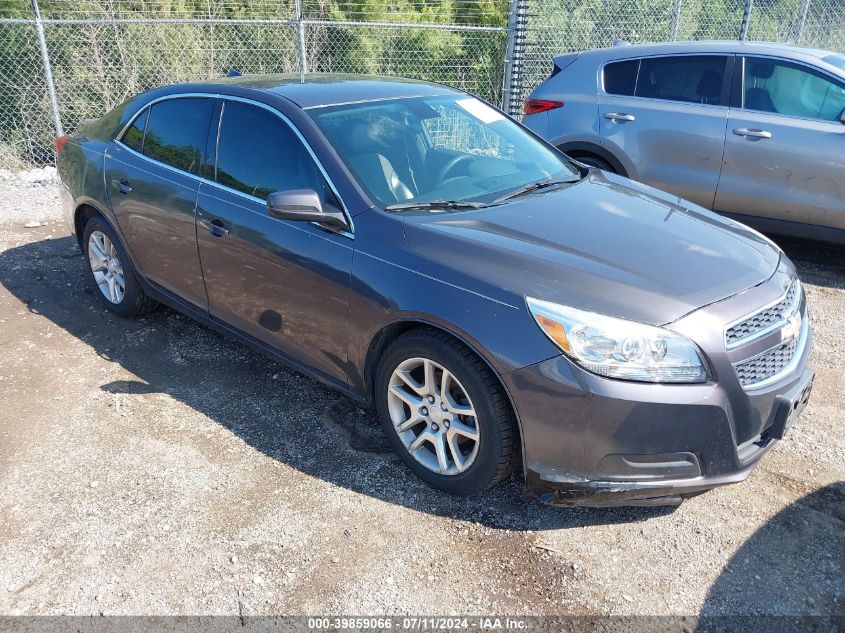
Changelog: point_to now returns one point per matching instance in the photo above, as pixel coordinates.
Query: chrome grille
(767, 364)
(765, 320)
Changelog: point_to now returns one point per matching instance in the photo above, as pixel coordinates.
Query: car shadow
(277, 411)
(789, 575)
(817, 263)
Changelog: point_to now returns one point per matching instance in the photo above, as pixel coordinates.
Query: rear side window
(177, 130)
(134, 136)
(784, 88)
(258, 154)
(687, 78)
(620, 78)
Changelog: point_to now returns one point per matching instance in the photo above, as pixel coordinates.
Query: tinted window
(258, 153)
(785, 88)
(419, 149)
(689, 78)
(134, 136)
(177, 131)
(621, 77)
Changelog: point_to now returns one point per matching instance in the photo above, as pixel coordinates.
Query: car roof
(325, 89)
(623, 51)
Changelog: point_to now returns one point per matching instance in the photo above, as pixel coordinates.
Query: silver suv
(751, 130)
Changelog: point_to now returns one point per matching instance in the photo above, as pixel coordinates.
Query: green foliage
(99, 65)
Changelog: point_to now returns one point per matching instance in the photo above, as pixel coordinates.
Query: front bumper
(595, 441)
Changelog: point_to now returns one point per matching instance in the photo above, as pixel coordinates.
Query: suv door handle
(121, 185)
(215, 227)
(619, 116)
(752, 132)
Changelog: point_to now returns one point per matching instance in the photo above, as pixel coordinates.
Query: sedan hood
(604, 244)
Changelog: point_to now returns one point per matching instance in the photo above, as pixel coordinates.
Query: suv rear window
(177, 130)
(620, 78)
(687, 78)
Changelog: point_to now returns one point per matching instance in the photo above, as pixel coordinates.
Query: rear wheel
(445, 413)
(595, 161)
(112, 271)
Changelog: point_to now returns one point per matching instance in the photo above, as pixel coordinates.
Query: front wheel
(445, 413)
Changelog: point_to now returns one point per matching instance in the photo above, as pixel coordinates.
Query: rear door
(667, 116)
(785, 149)
(152, 178)
(285, 283)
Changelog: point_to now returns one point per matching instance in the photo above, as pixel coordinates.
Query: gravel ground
(154, 467)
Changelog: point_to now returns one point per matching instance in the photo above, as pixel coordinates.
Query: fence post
(514, 56)
(676, 18)
(746, 19)
(802, 21)
(300, 38)
(48, 71)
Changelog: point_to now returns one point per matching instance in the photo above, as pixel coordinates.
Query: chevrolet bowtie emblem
(792, 329)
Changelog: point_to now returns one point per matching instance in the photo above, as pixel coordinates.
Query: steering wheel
(452, 164)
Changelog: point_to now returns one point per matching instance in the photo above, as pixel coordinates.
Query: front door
(785, 149)
(152, 184)
(667, 115)
(285, 283)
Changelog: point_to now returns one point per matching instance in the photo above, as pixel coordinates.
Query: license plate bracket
(790, 405)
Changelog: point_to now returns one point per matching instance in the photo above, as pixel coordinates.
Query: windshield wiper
(435, 204)
(534, 186)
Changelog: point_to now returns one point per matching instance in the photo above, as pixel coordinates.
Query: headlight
(618, 348)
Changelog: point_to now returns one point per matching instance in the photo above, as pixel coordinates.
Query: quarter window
(784, 88)
(134, 136)
(620, 78)
(687, 78)
(177, 130)
(259, 154)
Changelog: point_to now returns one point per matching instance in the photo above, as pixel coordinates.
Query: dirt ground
(154, 467)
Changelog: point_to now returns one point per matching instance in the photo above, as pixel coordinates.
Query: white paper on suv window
(480, 110)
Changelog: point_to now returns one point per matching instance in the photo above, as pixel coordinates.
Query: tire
(471, 385)
(595, 161)
(109, 265)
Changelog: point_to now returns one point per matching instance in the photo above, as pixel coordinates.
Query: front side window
(177, 130)
(782, 87)
(620, 78)
(421, 149)
(258, 154)
(686, 78)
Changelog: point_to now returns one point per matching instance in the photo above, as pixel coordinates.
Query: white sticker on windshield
(480, 110)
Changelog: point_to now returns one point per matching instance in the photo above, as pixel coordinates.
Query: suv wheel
(445, 413)
(595, 161)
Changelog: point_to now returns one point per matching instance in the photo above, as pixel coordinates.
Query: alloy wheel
(433, 416)
(106, 266)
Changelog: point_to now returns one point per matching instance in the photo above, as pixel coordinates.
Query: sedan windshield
(439, 152)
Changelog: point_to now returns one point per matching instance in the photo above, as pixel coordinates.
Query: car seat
(757, 97)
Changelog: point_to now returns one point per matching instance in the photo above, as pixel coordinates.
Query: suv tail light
(60, 143)
(534, 106)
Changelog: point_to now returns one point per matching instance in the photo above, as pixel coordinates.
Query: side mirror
(842, 118)
(302, 205)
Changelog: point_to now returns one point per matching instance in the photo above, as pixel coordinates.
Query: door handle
(752, 132)
(215, 227)
(121, 185)
(619, 116)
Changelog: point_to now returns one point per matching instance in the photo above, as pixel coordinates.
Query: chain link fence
(62, 61)
(99, 53)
